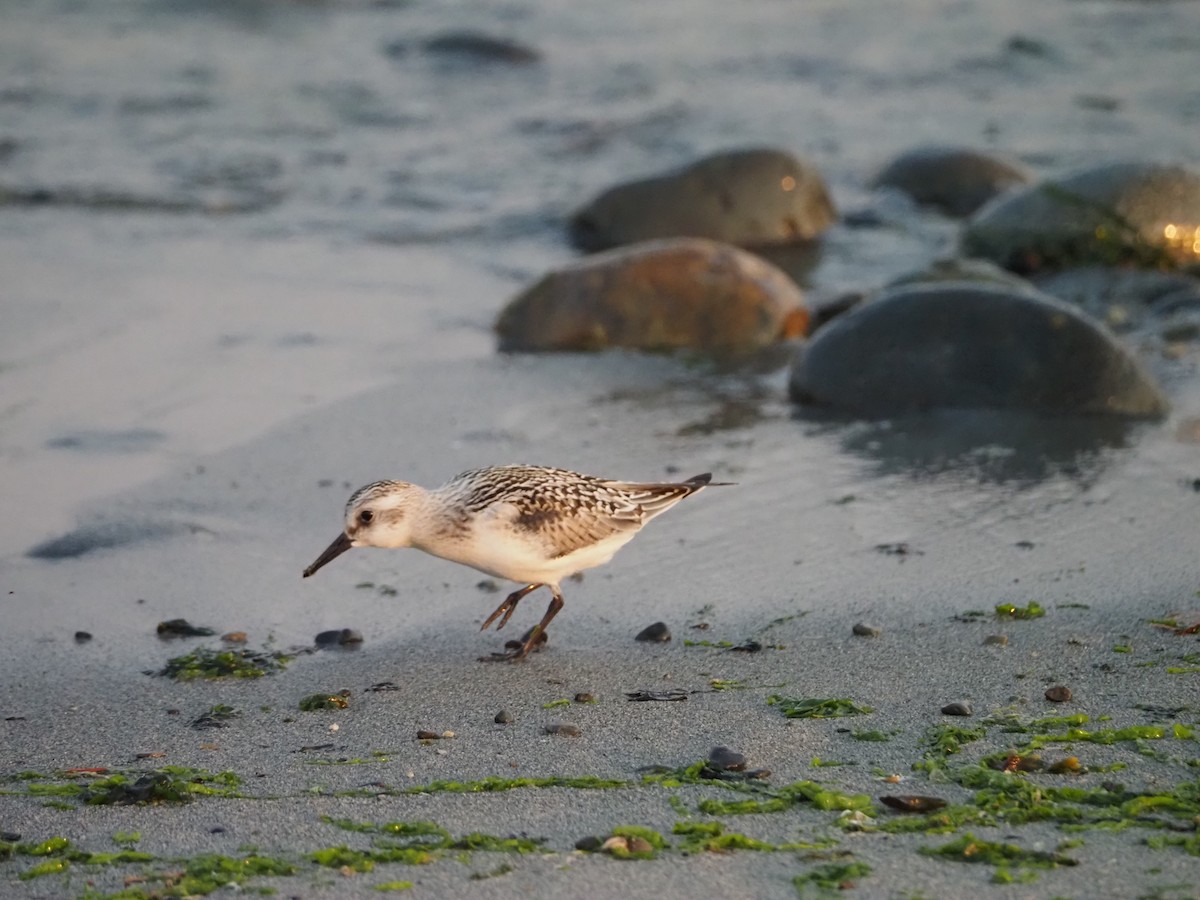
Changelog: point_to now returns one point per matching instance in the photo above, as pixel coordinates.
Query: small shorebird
(528, 524)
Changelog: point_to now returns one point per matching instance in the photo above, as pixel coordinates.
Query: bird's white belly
(506, 554)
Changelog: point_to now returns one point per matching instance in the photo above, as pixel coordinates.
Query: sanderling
(528, 524)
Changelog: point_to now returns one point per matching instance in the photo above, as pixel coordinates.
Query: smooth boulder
(955, 180)
(970, 346)
(751, 198)
(657, 296)
(1141, 214)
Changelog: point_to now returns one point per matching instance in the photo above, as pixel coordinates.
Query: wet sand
(238, 284)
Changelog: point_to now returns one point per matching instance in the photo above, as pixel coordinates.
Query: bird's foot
(532, 640)
(508, 607)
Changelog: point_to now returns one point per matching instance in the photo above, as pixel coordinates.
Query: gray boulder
(970, 346)
(956, 180)
(1141, 214)
(744, 197)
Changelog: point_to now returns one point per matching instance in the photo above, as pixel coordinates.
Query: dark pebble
(182, 628)
(913, 803)
(10, 837)
(383, 686)
(996, 640)
(428, 736)
(957, 708)
(726, 759)
(488, 586)
(1058, 694)
(564, 728)
(217, 829)
(862, 629)
(589, 844)
(339, 637)
(747, 647)
(82, 637)
(658, 632)
(585, 697)
(516, 645)
(757, 774)
(504, 717)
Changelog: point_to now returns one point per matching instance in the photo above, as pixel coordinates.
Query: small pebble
(488, 586)
(996, 640)
(1058, 694)
(913, 803)
(182, 628)
(542, 638)
(658, 632)
(862, 629)
(726, 760)
(564, 728)
(639, 845)
(428, 736)
(747, 647)
(10, 837)
(757, 774)
(504, 717)
(82, 637)
(339, 637)
(585, 697)
(957, 708)
(234, 637)
(589, 844)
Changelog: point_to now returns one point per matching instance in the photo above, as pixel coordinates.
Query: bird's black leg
(508, 607)
(551, 611)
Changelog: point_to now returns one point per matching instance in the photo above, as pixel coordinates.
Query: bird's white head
(377, 515)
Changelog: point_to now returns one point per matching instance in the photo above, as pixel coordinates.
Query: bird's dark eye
(366, 516)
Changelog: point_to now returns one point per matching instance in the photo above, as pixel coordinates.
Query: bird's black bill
(332, 552)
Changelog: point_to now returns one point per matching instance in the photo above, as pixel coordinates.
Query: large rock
(956, 180)
(660, 295)
(970, 346)
(1144, 214)
(745, 197)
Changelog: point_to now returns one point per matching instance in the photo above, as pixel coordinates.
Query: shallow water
(217, 216)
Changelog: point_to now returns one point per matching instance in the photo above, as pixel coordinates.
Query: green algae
(493, 784)
(945, 740)
(426, 838)
(336, 700)
(1033, 610)
(866, 734)
(392, 886)
(564, 701)
(816, 708)
(711, 837)
(830, 878)
(168, 784)
(970, 849)
(210, 664)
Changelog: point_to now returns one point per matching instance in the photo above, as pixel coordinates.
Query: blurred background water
(216, 214)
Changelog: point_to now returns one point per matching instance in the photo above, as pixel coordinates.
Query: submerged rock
(748, 197)
(970, 346)
(956, 180)
(657, 296)
(1144, 214)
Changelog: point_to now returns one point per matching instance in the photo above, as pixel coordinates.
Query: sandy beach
(189, 399)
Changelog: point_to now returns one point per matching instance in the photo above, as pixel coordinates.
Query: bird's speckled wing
(566, 511)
